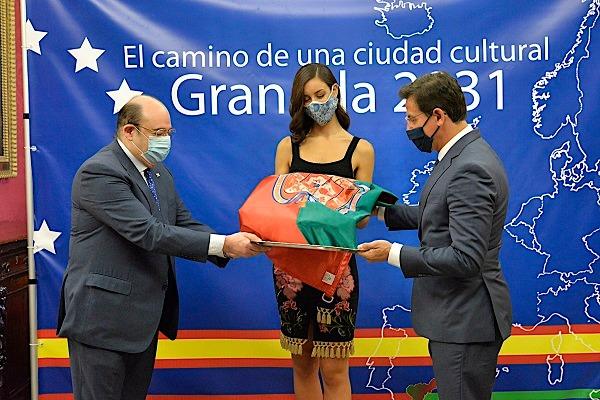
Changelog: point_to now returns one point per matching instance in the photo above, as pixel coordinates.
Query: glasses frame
(157, 132)
(413, 118)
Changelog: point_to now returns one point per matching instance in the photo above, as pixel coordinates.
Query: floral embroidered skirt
(332, 320)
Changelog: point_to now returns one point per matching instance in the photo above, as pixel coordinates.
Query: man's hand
(376, 251)
(363, 222)
(375, 211)
(239, 245)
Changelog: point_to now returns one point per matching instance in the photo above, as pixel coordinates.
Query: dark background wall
(14, 321)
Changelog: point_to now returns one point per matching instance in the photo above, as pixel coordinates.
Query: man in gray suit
(128, 224)
(460, 300)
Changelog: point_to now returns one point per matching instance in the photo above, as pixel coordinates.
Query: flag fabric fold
(308, 208)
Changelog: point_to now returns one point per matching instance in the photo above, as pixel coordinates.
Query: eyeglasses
(412, 118)
(159, 131)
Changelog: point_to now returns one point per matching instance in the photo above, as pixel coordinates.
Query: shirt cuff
(394, 255)
(381, 213)
(215, 245)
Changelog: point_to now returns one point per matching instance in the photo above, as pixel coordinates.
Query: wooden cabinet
(14, 334)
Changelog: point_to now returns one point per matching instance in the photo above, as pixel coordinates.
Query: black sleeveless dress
(302, 307)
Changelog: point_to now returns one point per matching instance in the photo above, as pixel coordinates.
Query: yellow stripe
(221, 348)
(365, 347)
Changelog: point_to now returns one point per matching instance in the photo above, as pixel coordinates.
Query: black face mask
(420, 139)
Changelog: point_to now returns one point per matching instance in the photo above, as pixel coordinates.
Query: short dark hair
(130, 113)
(301, 123)
(437, 90)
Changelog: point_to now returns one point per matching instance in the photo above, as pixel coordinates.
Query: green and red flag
(317, 209)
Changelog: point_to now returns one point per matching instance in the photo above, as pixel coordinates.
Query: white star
(33, 37)
(44, 239)
(86, 56)
(122, 95)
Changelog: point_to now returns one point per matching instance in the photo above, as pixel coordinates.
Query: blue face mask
(420, 139)
(322, 113)
(158, 148)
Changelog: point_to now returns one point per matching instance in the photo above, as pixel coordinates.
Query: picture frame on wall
(8, 90)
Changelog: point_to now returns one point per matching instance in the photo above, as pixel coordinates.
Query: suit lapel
(436, 174)
(441, 167)
(135, 175)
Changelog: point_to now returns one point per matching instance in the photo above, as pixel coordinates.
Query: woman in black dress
(317, 330)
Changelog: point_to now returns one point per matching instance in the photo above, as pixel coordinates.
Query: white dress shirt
(215, 242)
(394, 255)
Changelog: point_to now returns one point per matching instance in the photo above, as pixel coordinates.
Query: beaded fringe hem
(320, 349)
(333, 349)
(293, 345)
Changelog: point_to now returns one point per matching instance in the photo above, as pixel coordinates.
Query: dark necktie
(150, 181)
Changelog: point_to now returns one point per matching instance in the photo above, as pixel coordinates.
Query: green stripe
(322, 225)
(539, 395)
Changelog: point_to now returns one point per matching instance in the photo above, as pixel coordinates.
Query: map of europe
(565, 246)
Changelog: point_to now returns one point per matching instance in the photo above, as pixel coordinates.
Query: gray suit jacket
(120, 286)
(459, 289)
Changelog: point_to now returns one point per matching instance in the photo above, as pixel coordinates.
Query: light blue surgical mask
(158, 148)
(322, 113)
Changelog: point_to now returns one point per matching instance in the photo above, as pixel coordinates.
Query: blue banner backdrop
(224, 69)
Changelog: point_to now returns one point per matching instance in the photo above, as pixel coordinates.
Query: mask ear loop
(331, 94)
(150, 164)
(329, 98)
(438, 128)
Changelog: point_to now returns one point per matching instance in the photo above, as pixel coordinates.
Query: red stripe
(376, 396)
(198, 334)
(354, 361)
(554, 329)
(360, 333)
(53, 362)
(225, 363)
(226, 334)
(46, 333)
(387, 332)
(281, 363)
(541, 358)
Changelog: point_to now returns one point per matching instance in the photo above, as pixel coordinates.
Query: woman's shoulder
(285, 143)
(284, 146)
(364, 146)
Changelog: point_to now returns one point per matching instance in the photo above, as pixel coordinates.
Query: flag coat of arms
(307, 208)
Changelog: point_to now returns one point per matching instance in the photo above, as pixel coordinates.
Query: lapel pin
(157, 175)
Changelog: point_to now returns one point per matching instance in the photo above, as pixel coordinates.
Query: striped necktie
(150, 181)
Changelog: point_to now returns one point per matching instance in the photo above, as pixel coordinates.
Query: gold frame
(8, 75)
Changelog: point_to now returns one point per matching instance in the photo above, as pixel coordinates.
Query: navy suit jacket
(459, 290)
(119, 287)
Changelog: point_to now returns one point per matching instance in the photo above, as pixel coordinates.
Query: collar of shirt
(215, 242)
(138, 164)
(453, 141)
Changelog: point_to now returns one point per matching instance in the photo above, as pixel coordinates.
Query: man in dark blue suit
(460, 300)
(128, 224)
